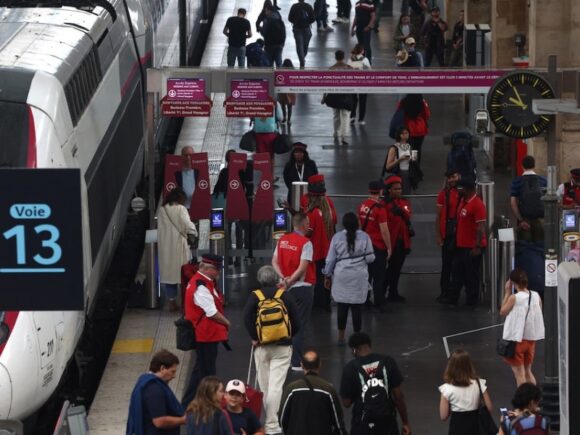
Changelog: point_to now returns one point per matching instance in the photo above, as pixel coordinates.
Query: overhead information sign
(249, 95)
(186, 97)
(386, 82)
(41, 249)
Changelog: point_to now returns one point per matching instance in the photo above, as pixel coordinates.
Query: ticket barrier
(217, 242)
(281, 224)
(570, 236)
(569, 346)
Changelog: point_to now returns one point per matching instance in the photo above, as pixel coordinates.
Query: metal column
(299, 188)
(487, 192)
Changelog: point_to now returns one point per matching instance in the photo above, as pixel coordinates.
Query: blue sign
(217, 219)
(280, 220)
(41, 251)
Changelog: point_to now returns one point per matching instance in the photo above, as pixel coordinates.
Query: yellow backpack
(272, 321)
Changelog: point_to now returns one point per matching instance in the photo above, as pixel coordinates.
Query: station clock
(509, 103)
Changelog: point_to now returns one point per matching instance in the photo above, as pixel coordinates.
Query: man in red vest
(292, 260)
(204, 308)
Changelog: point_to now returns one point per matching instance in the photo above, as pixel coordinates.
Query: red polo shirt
(447, 210)
(470, 213)
(304, 206)
(319, 238)
(398, 227)
(377, 216)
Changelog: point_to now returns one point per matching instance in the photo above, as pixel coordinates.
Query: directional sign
(186, 97)
(249, 97)
(41, 246)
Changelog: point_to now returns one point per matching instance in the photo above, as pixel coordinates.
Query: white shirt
(204, 299)
(188, 182)
(463, 399)
(404, 149)
(517, 326)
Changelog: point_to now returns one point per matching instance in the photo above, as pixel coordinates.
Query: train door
(45, 333)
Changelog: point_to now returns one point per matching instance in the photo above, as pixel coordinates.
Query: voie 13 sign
(41, 250)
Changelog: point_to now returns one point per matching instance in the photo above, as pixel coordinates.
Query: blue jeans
(302, 37)
(364, 38)
(303, 296)
(170, 290)
(275, 53)
(236, 53)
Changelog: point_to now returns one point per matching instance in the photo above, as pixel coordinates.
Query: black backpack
(377, 404)
(530, 200)
(461, 155)
(275, 32)
(302, 16)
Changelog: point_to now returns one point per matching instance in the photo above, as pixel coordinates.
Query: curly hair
(205, 403)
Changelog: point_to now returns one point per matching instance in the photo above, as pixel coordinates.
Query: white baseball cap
(236, 385)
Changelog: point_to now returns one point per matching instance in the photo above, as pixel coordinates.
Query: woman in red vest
(399, 220)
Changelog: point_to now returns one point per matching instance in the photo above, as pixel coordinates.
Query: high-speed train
(71, 96)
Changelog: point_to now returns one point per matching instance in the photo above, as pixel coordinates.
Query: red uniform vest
(207, 330)
(289, 250)
(398, 227)
(571, 194)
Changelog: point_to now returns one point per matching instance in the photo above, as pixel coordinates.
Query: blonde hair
(205, 403)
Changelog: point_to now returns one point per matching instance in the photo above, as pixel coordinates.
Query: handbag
(507, 348)
(486, 423)
(248, 141)
(184, 334)
(282, 144)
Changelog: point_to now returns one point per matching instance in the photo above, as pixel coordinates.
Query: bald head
(311, 361)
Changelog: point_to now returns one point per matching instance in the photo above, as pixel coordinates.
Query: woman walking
(204, 415)
(461, 395)
(417, 114)
(173, 227)
(350, 253)
(398, 158)
(524, 324)
(287, 100)
(300, 167)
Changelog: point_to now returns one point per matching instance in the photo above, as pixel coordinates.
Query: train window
(4, 333)
(82, 85)
(14, 128)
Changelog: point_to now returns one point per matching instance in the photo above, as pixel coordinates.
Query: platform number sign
(41, 255)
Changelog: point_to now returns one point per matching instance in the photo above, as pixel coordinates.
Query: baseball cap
(236, 385)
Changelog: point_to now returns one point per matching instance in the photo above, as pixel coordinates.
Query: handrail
(346, 195)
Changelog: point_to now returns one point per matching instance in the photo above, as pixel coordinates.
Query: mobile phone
(503, 412)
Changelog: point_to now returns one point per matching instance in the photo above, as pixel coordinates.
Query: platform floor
(413, 333)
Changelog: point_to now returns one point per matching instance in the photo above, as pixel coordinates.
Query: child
(243, 419)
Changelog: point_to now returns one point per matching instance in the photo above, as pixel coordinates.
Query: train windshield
(14, 129)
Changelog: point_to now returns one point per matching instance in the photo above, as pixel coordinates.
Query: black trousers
(437, 51)
(465, 272)
(321, 295)
(342, 315)
(446, 265)
(360, 101)
(343, 8)
(205, 365)
(378, 275)
(394, 268)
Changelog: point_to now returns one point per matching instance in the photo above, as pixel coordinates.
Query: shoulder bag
(486, 423)
(507, 348)
(248, 141)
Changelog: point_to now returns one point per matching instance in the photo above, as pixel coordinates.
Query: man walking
(373, 220)
(446, 228)
(292, 260)
(310, 405)
(301, 16)
(274, 32)
(341, 104)
(371, 384)
(204, 308)
(272, 358)
(237, 29)
(363, 23)
(526, 202)
(432, 33)
(154, 409)
(471, 239)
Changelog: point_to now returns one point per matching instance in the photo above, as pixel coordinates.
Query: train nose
(5, 393)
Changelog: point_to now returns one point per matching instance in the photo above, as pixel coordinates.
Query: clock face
(509, 104)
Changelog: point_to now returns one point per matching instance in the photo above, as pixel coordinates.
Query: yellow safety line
(139, 345)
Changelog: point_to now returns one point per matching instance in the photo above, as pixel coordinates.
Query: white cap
(236, 385)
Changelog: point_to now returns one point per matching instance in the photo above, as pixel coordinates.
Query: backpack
(272, 320)
(526, 425)
(275, 32)
(461, 155)
(376, 402)
(530, 200)
(302, 17)
(256, 55)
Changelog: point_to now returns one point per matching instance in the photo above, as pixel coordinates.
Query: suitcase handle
(250, 368)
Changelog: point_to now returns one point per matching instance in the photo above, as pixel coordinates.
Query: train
(72, 95)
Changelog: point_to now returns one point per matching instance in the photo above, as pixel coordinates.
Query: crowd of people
(420, 25)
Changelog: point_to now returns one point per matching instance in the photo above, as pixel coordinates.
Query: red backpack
(528, 424)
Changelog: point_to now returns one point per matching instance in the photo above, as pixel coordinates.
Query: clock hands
(519, 101)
